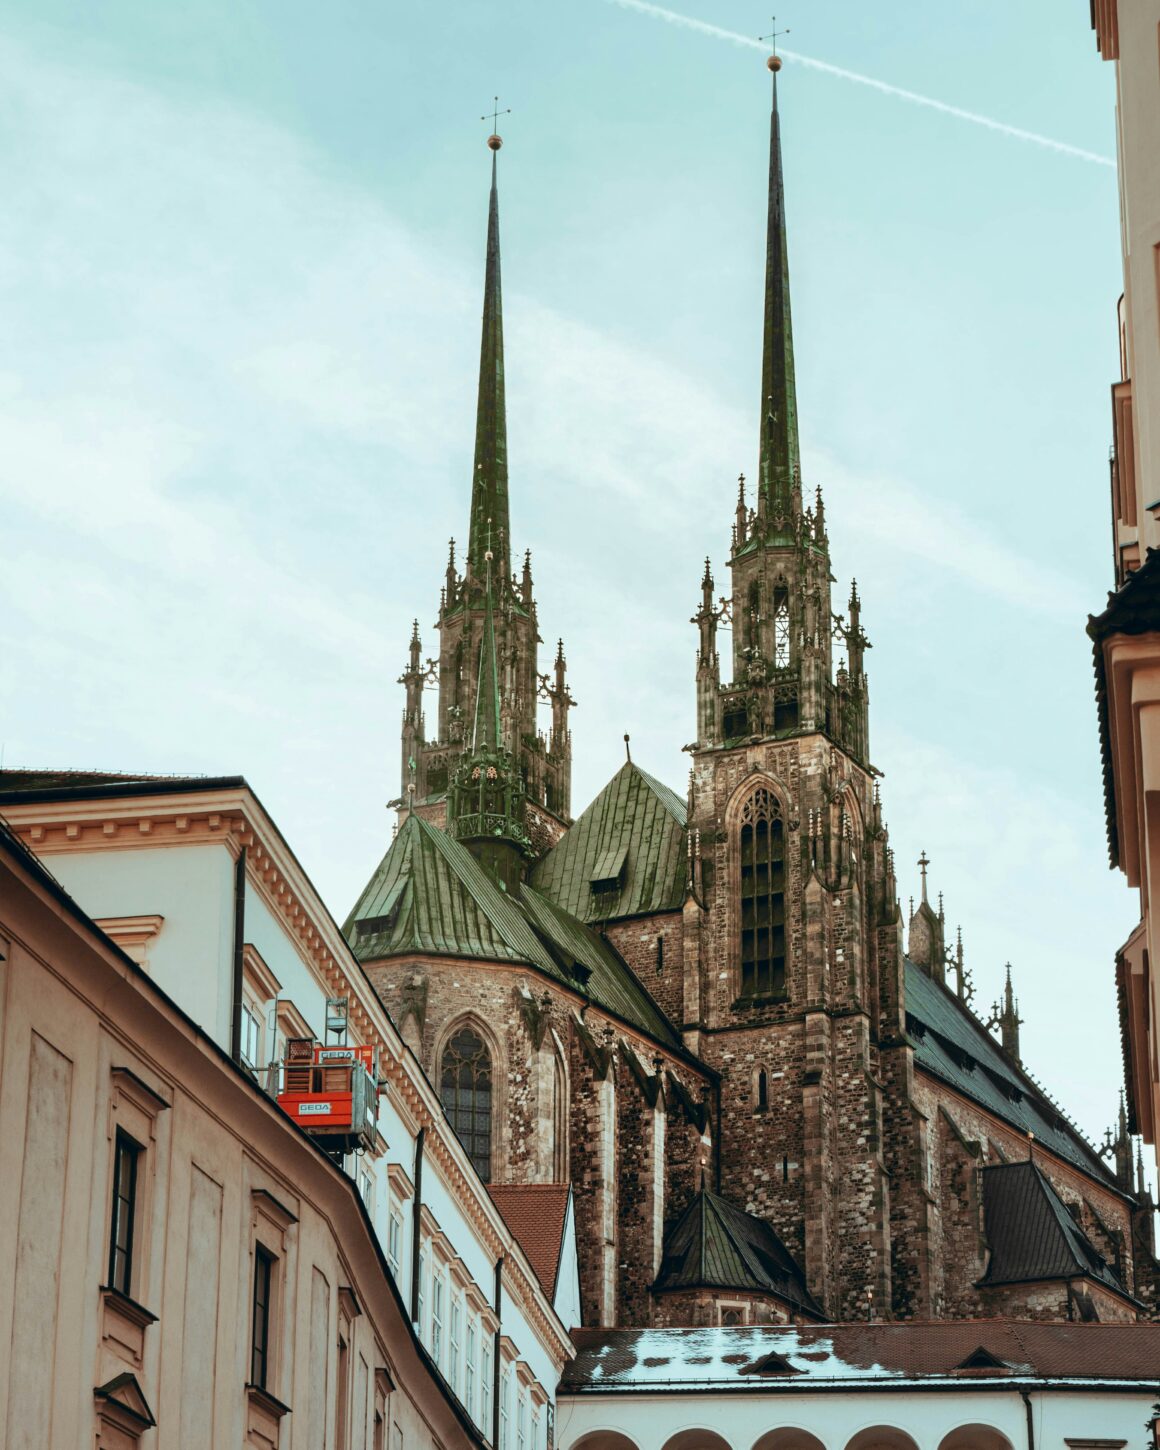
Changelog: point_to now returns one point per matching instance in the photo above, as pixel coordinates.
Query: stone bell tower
(793, 987)
(486, 583)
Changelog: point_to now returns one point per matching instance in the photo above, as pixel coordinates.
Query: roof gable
(537, 1214)
(1031, 1234)
(624, 856)
(715, 1245)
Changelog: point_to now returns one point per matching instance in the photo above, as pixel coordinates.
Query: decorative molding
(258, 972)
(132, 934)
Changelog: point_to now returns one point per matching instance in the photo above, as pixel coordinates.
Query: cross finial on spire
(923, 863)
(772, 37)
(495, 141)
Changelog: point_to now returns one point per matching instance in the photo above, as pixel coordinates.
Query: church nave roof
(431, 895)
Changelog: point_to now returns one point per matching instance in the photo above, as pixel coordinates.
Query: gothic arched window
(762, 896)
(465, 1088)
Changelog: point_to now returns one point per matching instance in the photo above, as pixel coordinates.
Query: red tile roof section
(535, 1213)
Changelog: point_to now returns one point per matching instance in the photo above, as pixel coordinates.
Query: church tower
(793, 991)
(486, 589)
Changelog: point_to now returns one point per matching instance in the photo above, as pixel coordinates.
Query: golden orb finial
(495, 142)
(774, 62)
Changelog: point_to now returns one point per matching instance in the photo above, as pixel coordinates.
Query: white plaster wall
(649, 1421)
(567, 1305)
(192, 887)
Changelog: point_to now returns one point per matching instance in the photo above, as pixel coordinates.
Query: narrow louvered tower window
(465, 1088)
(762, 863)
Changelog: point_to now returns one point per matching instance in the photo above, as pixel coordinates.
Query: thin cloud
(1017, 133)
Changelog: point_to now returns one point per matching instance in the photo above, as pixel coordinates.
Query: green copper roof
(634, 821)
(715, 1245)
(780, 460)
(431, 895)
(489, 482)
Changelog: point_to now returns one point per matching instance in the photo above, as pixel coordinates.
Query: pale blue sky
(240, 261)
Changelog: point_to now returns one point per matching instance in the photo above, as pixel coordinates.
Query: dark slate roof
(780, 1359)
(43, 785)
(1134, 608)
(715, 1245)
(636, 821)
(1031, 1234)
(951, 1044)
(431, 895)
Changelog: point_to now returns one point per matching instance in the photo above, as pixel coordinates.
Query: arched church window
(762, 883)
(465, 1088)
(780, 628)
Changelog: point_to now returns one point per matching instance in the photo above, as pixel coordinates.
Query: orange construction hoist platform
(332, 1093)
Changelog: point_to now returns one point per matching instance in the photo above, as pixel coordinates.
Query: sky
(241, 257)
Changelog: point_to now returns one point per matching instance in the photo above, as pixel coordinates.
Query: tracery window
(780, 628)
(465, 1088)
(762, 896)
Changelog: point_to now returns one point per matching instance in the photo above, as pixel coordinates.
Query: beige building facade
(1126, 636)
(188, 1268)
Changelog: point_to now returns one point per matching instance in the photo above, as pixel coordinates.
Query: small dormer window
(608, 872)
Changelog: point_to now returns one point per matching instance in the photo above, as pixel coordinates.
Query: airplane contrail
(703, 27)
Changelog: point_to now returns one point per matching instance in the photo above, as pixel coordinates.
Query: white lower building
(970, 1385)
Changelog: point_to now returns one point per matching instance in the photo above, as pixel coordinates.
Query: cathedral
(705, 1009)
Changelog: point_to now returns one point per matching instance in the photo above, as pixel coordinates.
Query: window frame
(264, 1260)
(760, 895)
(478, 1141)
(124, 1144)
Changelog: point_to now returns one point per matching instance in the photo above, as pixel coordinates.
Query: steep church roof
(1031, 1234)
(952, 1045)
(431, 895)
(715, 1245)
(625, 856)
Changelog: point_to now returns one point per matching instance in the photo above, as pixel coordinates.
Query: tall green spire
(489, 484)
(778, 494)
(485, 733)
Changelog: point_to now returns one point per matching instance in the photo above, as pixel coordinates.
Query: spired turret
(784, 628)
(543, 764)
(487, 806)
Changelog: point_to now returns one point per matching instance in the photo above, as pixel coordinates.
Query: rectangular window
(505, 1408)
(263, 1295)
(420, 1321)
(125, 1156)
(251, 1036)
(366, 1188)
(485, 1384)
(437, 1321)
(537, 1443)
(394, 1242)
(469, 1371)
(521, 1421)
(453, 1339)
